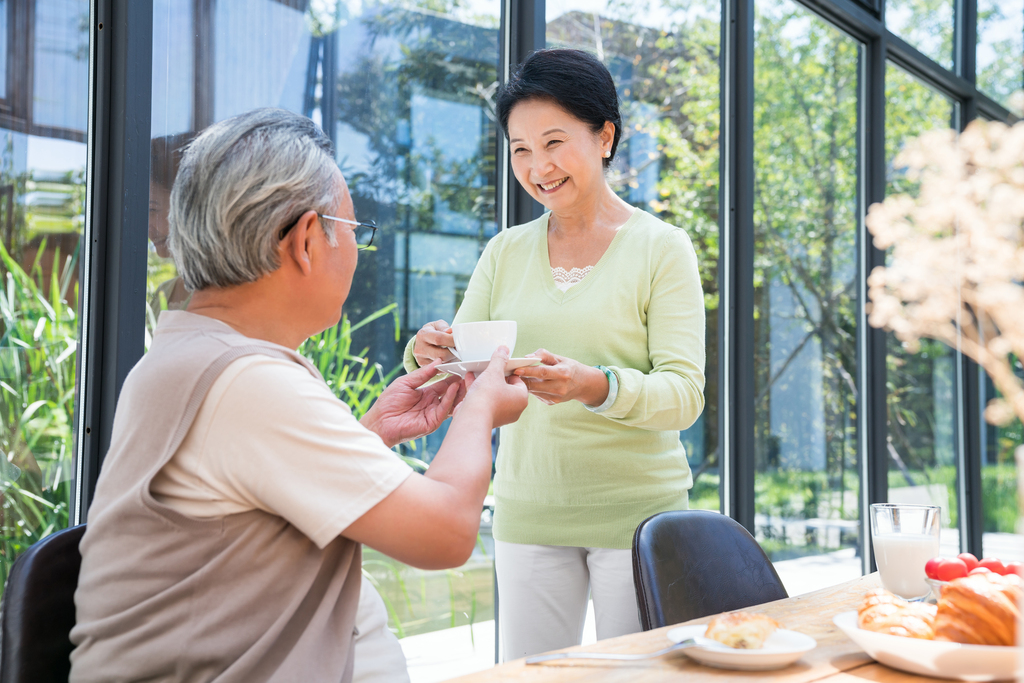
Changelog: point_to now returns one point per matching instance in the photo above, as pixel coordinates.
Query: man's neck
(250, 312)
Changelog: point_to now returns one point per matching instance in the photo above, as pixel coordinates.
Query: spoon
(689, 642)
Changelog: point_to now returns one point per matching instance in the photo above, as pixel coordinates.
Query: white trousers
(542, 595)
(378, 655)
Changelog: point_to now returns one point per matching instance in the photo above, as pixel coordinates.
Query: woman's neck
(605, 211)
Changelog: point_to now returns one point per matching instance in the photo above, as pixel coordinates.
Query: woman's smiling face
(556, 156)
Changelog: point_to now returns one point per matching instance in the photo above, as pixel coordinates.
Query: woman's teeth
(547, 187)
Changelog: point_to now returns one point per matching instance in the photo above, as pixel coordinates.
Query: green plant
(351, 376)
(37, 383)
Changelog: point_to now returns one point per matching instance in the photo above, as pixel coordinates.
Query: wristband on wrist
(613, 391)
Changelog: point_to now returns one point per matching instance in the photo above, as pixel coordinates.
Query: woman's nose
(542, 164)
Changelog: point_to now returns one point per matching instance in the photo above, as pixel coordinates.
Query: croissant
(980, 609)
(741, 630)
(883, 612)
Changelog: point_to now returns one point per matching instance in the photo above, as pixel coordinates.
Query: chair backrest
(39, 610)
(688, 564)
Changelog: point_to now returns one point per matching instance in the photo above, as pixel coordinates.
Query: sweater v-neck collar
(576, 290)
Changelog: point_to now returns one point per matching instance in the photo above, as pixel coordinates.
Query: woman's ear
(607, 135)
(297, 244)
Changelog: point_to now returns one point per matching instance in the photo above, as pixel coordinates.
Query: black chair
(39, 611)
(688, 564)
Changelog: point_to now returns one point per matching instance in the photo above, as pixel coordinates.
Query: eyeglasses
(364, 232)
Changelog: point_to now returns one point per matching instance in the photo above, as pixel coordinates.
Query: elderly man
(224, 538)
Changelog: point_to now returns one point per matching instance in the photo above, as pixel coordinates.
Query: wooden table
(835, 660)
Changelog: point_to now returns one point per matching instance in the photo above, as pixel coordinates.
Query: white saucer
(781, 649)
(935, 658)
(460, 368)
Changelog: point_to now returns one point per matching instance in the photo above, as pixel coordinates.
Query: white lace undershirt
(564, 279)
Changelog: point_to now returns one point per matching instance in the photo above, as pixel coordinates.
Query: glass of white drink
(904, 537)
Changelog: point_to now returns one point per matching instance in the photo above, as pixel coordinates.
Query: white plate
(781, 649)
(933, 657)
(460, 368)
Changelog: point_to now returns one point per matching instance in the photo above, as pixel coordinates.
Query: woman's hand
(562, 379)
(408, 410)
(434, 342)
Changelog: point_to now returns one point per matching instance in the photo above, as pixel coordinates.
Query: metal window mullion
(851, 17)
(113, 267)
(970, 399)
(966, 40)
(872, 413)
(736, 263)
(203, 60)
(527, 32)
(992, 110)
(925, 69)
(503, 179)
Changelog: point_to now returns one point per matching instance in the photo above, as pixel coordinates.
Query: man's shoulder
(259, 378)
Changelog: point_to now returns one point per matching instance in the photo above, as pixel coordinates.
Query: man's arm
(432, 521)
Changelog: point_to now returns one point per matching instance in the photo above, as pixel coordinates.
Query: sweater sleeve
(671, 395)
(476, 305)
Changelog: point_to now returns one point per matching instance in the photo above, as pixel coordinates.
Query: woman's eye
(554, 142)
(517, 150)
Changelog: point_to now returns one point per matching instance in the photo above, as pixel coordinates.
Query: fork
(689, 642)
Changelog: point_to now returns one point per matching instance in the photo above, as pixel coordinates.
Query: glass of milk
(904, 538)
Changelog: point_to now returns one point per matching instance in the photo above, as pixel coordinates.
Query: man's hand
(407, 410)
(504, 397)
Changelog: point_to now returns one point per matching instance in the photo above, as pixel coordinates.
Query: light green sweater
(565, 475)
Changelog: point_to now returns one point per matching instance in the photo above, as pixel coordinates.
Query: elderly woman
(224, 537)
(608, 298)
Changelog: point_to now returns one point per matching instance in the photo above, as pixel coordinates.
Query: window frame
(114, 284)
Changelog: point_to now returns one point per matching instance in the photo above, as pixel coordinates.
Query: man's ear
(297, 244)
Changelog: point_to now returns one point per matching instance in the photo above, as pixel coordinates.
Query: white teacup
(479, 341)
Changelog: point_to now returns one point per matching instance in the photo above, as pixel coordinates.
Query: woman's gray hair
(241, 182)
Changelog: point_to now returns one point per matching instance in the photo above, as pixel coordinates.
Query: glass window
(1000, 51)
(61, 56)
(925, 24)
(5, 8)
(999, 479)
(173, 67)
(405, 90)
(42, 197)
(805, 296)
(665, 64)
(921, 387)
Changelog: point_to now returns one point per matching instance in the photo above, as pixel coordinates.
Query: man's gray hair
(241, 182)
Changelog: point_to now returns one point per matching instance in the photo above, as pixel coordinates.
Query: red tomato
(1015, 568)
(993, 564)
(931, 567)
(981, 570)
(951, 568)
(970, 560)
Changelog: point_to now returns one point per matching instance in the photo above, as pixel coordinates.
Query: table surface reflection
(836, 659)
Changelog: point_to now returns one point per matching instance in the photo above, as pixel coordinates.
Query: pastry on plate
(741, 630)
(979, 609)
(884, 612)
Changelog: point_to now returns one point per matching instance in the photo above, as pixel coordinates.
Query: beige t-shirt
(272, 437)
